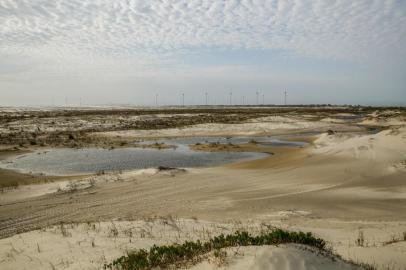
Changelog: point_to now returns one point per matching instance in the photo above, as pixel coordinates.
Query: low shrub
(167, 255)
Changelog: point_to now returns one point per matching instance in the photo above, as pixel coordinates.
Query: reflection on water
(262, 140)
(71, 161)
(90, 160)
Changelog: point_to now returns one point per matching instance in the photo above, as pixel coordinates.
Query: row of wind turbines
(243, 99)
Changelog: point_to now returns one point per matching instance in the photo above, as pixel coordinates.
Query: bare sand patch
(253, 127)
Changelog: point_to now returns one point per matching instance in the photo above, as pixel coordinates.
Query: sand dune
(91, 245)
(340, 187)
(275, 258)
(258, 126)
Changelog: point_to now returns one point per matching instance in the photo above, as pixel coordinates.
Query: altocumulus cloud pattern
(322, 51)
(342, 29)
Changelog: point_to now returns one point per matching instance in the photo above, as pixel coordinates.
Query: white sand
(385, 118)
(91, 245)
(339, 188)
(259, 126)
(284, 257)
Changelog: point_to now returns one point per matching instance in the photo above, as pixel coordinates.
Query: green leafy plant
(167, 255)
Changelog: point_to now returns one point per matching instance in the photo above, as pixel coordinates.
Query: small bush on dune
(164, 256)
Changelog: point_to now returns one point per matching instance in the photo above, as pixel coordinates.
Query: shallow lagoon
(91, 160)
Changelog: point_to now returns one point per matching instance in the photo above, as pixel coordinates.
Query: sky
(90, 52)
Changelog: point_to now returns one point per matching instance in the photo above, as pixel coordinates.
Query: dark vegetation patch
(71, 127)
(190, 252)
(20, 115)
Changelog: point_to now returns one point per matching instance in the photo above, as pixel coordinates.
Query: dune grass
(169, 255)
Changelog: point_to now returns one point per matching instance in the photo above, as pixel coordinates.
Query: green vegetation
(165, 256)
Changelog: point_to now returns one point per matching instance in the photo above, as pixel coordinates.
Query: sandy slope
(274, 258)
(339, 188)
(91, 245)
(258, 126)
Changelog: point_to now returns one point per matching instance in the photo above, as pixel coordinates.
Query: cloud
(152, 44)
(94, 29)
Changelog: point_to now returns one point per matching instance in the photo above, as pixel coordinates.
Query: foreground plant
(165, 256)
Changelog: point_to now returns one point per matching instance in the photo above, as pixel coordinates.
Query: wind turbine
(286, 94)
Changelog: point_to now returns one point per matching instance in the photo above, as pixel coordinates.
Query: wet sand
(10, 179)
